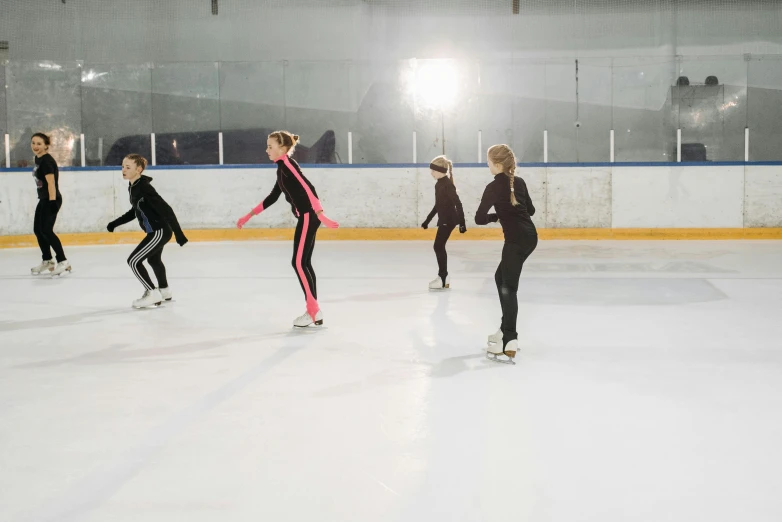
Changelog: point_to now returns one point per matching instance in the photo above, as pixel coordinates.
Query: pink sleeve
(316, 206)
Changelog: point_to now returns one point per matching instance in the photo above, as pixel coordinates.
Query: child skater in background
(513, 207)
(301, 195)
(158, 221)
(47, 180)
(448, 207)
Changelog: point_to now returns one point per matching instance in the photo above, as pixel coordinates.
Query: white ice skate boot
(496, 337)
(166, 293)
(150, 298)
(44, 267)
(437, 284)
(495, 352)
(61, 268)
(305, 320)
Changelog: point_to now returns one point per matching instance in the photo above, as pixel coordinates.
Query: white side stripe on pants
(158, 236)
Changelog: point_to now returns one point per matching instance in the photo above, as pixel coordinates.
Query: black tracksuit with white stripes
(158, 220)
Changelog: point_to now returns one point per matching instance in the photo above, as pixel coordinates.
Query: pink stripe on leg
(312, 304)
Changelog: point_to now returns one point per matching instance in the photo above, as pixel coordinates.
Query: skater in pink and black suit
(305, 205)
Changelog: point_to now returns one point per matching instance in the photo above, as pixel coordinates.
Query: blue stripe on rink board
(118, 169)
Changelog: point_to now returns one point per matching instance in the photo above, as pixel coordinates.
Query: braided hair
(503, 155)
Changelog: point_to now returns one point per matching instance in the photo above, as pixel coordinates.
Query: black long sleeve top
(447, 204)
(298, 190)
(151, 210)
(515, 220)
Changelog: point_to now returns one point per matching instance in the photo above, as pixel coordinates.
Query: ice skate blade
(316, 323)
(64, 272)
(153, 305)
(496, 358)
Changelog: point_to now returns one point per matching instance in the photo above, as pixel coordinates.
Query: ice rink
(648, 386)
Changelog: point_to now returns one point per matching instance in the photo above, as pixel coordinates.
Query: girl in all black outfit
(158, 220)
(449, 208)
(303, 199)
(47, 180)
(513, 207)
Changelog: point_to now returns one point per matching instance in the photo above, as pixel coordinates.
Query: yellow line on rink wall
(410, 234)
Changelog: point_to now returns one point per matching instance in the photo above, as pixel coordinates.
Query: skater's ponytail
(138, 159)
(285, 139)
(445, 163)
(503, 155)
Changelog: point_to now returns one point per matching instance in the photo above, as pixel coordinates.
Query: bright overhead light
(434, 83)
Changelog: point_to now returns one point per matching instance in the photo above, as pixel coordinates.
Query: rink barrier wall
(407, 234)
(388, 202)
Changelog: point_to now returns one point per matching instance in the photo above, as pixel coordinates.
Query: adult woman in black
(513, 207)
(47, 181)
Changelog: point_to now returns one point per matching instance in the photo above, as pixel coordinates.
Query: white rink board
(678, 197)
(763, 197)
(579, 197)
(564, 197)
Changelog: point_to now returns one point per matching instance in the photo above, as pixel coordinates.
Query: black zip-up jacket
(292, 182)
(152, 212)
(447, 204)
(516, 223)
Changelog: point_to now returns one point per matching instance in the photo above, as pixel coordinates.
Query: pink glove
(243, 221)
(326, 221)
(254, 212)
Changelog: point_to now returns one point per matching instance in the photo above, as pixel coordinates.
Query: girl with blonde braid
(449, 208)
(513, 207)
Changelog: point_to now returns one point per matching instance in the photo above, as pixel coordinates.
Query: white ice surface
(648, 386)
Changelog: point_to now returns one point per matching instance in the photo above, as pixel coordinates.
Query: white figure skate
(437, 283)
(496, 353)
(166, 294)
(305, 320)
(44, 267)
(151, 298)
(496, 337)
(61, 268)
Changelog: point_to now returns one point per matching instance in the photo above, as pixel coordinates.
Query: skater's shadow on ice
(445, 335)
(379, 296)
(448, 334)
(53, 322)
(407, 371)
(117, 354)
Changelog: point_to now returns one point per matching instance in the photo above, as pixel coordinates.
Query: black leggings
(507, 279)
(443, 233)
(303, 246)
(43, 227)
(151, 249)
